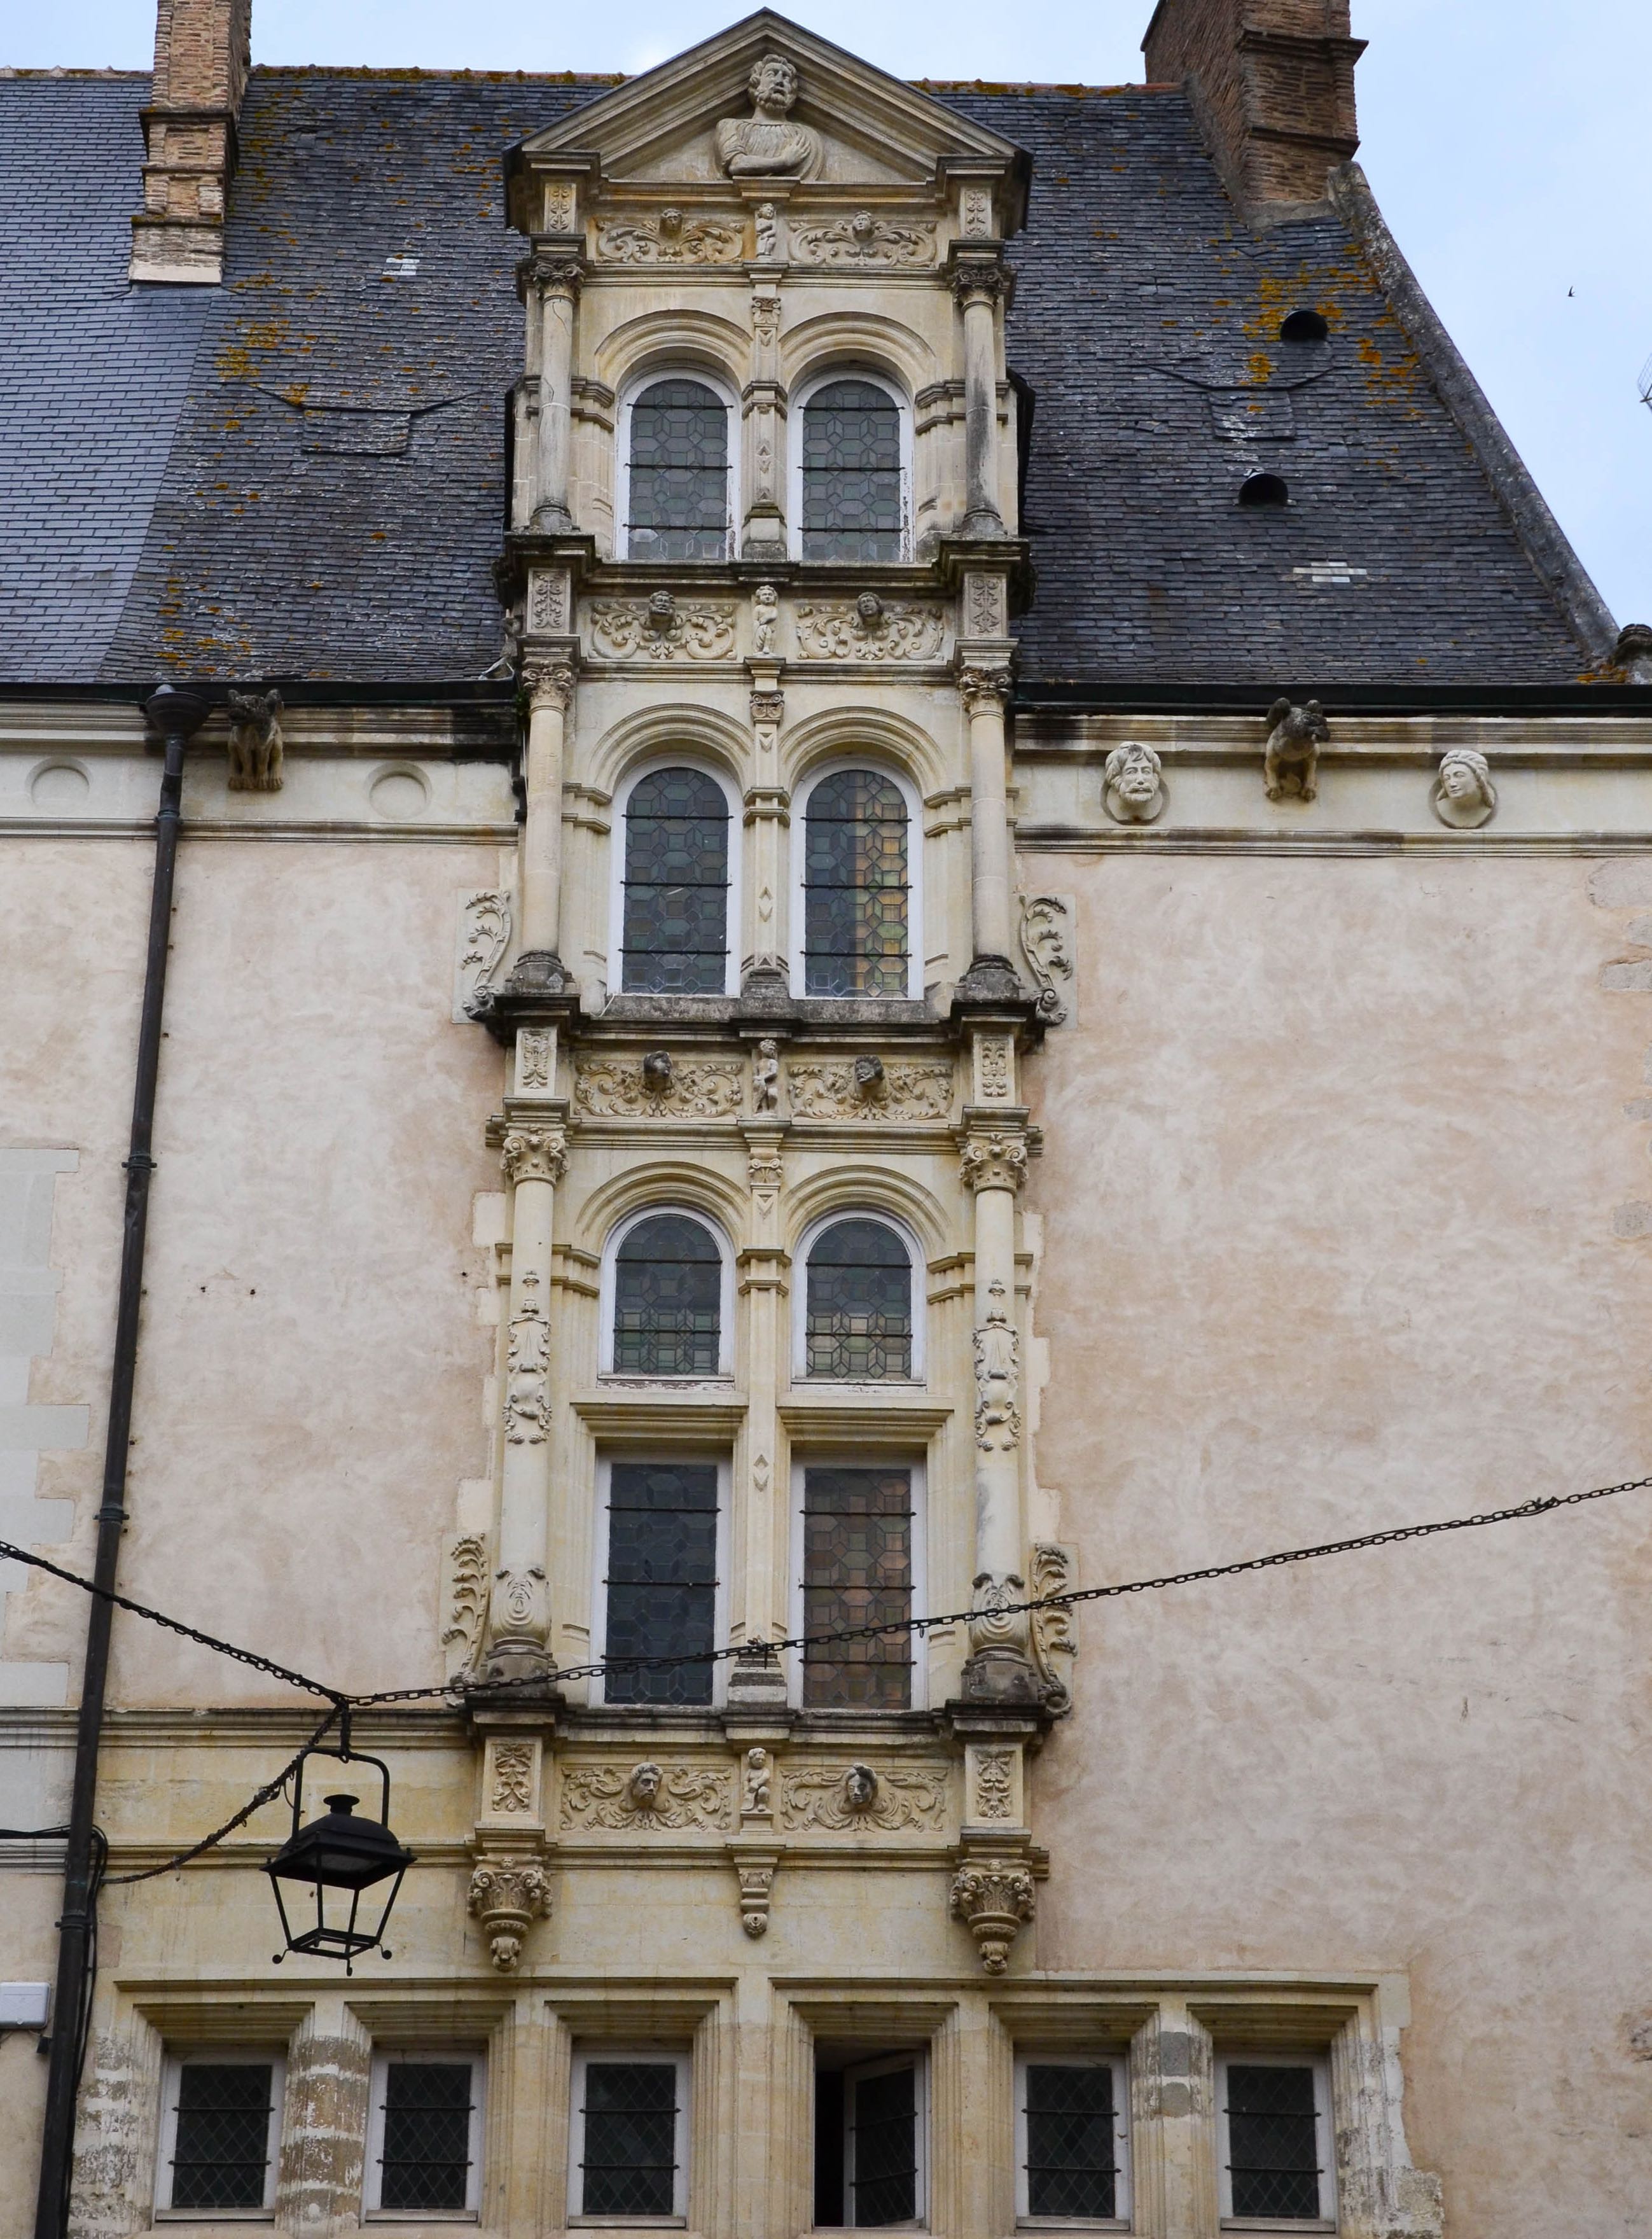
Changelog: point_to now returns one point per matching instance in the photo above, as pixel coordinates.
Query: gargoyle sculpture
(1295, 737)
(254, 742)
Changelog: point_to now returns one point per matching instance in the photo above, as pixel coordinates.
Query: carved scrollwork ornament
(993, 1897)
(534, 1154)
(1050, 1635)
(1047, 943)
(998, 1378)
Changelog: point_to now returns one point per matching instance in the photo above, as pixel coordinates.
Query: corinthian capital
(551, 274)
(534, 1154)
(979, 280)
(994, 1162)
(983, 690)
(548, 684)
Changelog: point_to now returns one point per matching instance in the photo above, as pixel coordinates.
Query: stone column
(550, 285)
(763, 414)
(764, 970)
(999, 1666)
(519, 1613)
(539, 966)
(756, 1684)
(978, 284)
(318, 2179)
(984, 692)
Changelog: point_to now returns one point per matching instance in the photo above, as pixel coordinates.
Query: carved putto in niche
(765, 229)
(755, 1802)
(1463, 794)
(1295, 737)
(766, 1076)
(1132, 785)
(768, 144)
(765, 613)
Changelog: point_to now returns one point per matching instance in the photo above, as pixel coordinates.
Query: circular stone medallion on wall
(399, 793)
(59, 788)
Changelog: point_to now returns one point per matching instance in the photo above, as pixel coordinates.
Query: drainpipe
(178, 716)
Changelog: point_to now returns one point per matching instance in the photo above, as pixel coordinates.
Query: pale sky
(1503, 138)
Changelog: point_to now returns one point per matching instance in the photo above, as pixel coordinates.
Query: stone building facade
(916, 876)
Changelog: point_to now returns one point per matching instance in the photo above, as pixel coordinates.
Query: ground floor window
(629, 2132)
(869, 2142)
(424, 2137)
(1274, 2138)
(1072, 2138)
(221, 2118)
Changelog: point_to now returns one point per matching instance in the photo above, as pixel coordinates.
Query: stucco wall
(1334, 1175)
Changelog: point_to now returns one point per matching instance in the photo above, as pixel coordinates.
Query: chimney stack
(202, 53)
(1272, 81)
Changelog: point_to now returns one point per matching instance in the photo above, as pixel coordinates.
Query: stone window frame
(635, 384)
(885, 768)
(606, 1290)
(885, 2019)
(891, 1453)
(248, 2053)
(722, 1461)
(1316, 2059)
(1030, 2052)
(666, 758)
(918, 1268)
(804, 390)
(384, 2055)
(602, 2050)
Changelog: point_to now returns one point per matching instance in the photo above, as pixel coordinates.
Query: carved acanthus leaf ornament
(862, 239)
(994, 1162)
(869, 628)
(508, 1896)
(619, 1088)
(1053, 1640)
(830, 1088)
(649, 1796)
(828, 1797)
(984, 691)
(672, 238)
(993, 1897)
(534, 1154)
(659, 628)
(1047, 943)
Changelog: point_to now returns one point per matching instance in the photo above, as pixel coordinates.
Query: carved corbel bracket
(994, 1898)
(510, 1890)
(754, 1871)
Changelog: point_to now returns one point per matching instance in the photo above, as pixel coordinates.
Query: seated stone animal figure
(1295, 737)
(256, 753)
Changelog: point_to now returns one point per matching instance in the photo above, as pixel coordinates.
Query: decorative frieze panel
(649, 1797)
(862, 239)
(661, 627)
(869, 628)
(625, 1088)
(869, 1088)
(842, 1800)
(985, 606)
(674, 237)
(547, 601)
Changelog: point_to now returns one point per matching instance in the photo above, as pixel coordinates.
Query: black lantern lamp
(339, 1857)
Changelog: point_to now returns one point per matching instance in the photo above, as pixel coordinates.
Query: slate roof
(312, 456)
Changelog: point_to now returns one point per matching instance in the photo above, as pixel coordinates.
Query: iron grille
(426, 2163)
(1273, 2146)
(667, 1299)
(851, 474)
(678, 473)
(884, 2184)
(674, 936)
(630, 2164)
(1072, 2168)
(221, 2153)
(857, 1569)
(858, 1320)
(662, 1577)
(855, 886)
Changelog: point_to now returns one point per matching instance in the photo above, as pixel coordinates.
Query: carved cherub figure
(1132, 784)
(766, 1076)
(756, 1799)
(767, 229)
(1463, 794)
(255, 745)
(766, 144)
(1295, 737)
(766, 613)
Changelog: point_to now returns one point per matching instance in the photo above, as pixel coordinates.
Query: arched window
(673, 930)
(856, 890)
(858, 1312)
(667, 1298)
(677, 472)
(851, 505)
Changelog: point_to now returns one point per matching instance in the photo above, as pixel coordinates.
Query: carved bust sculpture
(861, 1788)
(1463, 794)
(766, 144)
(1132, 785)
(644, 1786)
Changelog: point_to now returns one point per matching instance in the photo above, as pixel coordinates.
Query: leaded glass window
(667, 1299)
(662, 1578)
(1273, 2141)
(856, 936)
(1072, 2161)
(858, 1306)
(883, 2185)
(851, 506)
(674, 933)
(424, 2159)
(628, 2166)
(678, 473)
(858, 1571)
(221, 2141)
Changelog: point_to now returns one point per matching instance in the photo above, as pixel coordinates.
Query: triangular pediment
(869, 130)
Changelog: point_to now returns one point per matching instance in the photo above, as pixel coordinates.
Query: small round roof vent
(1263, 489)
(1303, 327)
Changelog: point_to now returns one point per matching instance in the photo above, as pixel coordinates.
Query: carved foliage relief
(660, 629)
(830, 1088)
(828, 1797)
(674, 237)
(850, 630)
(617, 1088)
(673, 1798)
(862, 239)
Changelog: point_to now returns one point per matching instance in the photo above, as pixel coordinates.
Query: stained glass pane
(662, 1577)
(630, 2163)
(1070, 2168)
(858, 1321)
(1273, 2156)
(675, 930)
(852, 474)
(857, 1569)
(426, 2135)
(221, 2155)
(885, 2148)
(855, 886)
(667, 1298)
(678, 473)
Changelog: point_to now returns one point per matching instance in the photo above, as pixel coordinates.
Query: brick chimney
(1272, 81)
(202, 52)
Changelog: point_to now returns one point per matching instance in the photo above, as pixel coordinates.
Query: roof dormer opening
(1303, 327)
(1264, 489)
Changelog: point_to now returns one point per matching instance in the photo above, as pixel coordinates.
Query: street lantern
(338, 1858)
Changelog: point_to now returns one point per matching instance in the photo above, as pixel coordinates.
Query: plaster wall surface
(1336, 1174)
